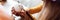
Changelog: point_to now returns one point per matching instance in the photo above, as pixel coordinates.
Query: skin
(36, 9)
(3, 15)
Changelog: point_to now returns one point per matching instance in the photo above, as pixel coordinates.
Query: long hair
(54, 9)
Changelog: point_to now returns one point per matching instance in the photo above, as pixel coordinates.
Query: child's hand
(20, 13)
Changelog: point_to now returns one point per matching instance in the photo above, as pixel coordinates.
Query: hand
(20, 13)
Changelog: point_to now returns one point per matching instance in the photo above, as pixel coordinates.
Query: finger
(13, 10)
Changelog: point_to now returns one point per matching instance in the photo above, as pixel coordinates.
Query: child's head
(3, 0)
(54, 9)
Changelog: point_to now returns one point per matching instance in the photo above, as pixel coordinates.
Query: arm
(35, 9)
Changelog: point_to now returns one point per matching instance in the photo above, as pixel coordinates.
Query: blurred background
(28, 3)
